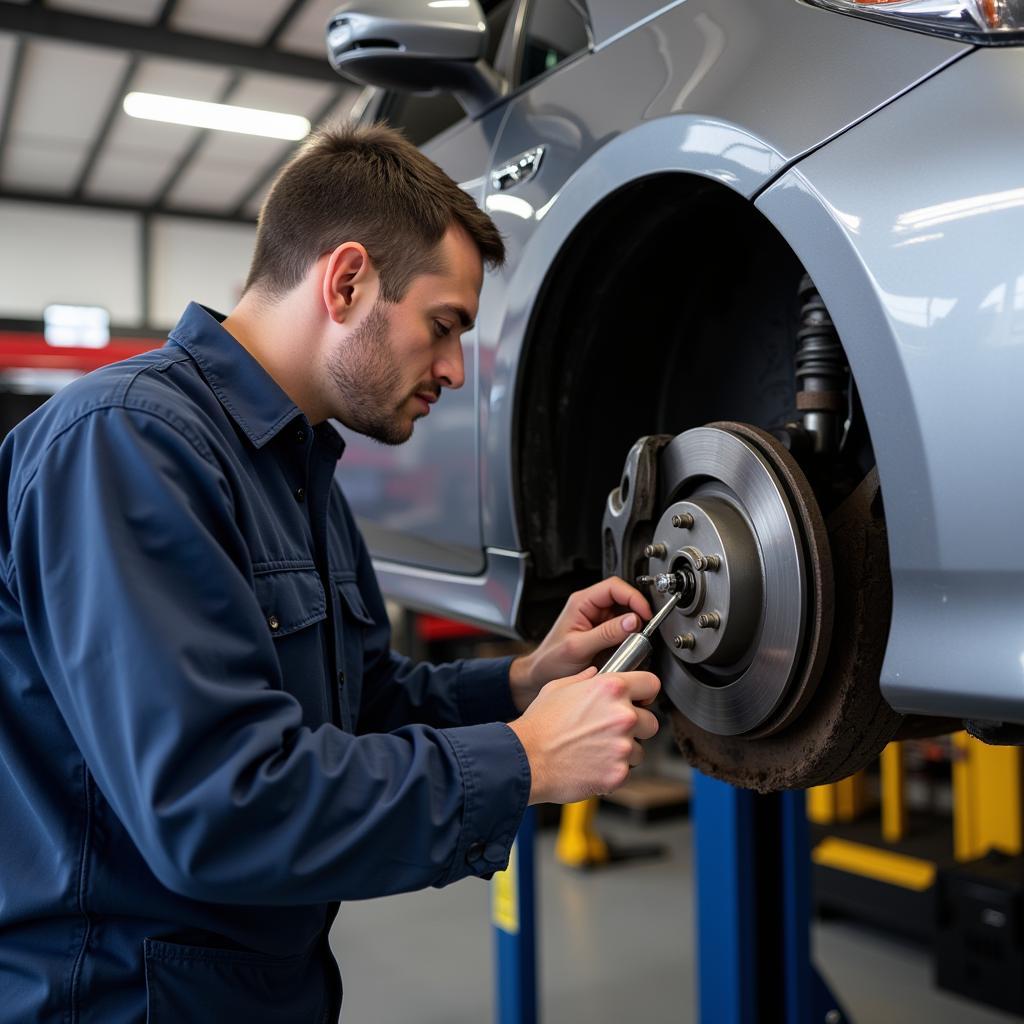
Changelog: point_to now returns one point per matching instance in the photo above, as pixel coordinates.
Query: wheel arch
(682, 165)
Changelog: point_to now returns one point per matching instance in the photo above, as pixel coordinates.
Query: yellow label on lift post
(504, 895)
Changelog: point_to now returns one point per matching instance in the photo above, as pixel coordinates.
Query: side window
(555, 31)
(421, 116)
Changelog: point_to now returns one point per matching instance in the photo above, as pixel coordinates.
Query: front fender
(910, 225)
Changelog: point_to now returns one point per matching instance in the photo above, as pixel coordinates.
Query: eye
(441, 329)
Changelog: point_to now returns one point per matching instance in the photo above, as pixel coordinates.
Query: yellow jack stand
(988, 798)
(842, 801)
(579, 844)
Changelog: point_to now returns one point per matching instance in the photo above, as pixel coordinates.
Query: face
(389, 369)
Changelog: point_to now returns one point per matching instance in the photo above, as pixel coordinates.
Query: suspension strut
(822, 374)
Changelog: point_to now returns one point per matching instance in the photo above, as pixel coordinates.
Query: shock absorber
(822, 375)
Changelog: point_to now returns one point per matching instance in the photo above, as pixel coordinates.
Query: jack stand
(579, 844)
(513, 916)
(753, 883)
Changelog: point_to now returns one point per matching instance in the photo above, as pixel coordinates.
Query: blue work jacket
(205, 739)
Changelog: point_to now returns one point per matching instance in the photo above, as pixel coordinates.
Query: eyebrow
(458, 311)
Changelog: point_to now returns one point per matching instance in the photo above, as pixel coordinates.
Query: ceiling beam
(160, 41)
(7, 113)
(163, 19)
(283, 22)
(24, 196)
(100, 139)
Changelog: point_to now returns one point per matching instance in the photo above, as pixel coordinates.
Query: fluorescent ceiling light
(219, 116)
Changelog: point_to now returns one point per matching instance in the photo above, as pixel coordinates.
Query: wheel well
(674, 303)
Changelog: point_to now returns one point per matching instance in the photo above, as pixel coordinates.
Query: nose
(448, 367)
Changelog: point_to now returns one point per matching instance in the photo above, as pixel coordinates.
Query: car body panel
(695, 90)
(640, 107)
(924, 279)
(610, 18)
(804, 112)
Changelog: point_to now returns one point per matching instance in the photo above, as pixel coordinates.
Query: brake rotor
(742, 533)
(773, 656)
(833, 720)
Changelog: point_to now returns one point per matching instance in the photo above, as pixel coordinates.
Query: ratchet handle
(631, 653)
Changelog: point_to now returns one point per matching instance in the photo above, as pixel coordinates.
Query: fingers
(590, 643)
(641, 687)
(636, 757)
(646, 725)
(588, 673)
(595, 600)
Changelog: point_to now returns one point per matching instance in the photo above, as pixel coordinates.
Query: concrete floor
(616, 945)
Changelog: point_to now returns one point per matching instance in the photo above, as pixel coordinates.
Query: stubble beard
(367, 378)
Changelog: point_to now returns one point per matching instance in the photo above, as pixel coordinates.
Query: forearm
(339, 817)
(400, 692)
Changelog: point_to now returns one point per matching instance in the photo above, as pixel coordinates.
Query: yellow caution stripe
(872, 862)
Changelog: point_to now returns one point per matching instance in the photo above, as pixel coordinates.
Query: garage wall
(63, 254)
(200, 260)
(89, 257)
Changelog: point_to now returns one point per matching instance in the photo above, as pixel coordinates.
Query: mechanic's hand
(592, 621)
(580, 734)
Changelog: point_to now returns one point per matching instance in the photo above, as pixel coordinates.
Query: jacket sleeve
(134, 586)
(398, 691)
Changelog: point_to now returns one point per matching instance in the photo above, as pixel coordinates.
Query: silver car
(759, 342)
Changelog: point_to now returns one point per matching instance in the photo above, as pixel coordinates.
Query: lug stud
(644, 581)
(655, 551)
(682, 521)
(711, 563)
(709, 620)
(686, 641)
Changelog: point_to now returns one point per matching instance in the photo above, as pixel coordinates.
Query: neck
(277, 335)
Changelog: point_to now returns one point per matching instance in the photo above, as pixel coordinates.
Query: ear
(349, 281)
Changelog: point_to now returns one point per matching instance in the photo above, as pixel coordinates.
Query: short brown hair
(366, 184)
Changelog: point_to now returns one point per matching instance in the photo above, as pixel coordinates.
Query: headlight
(992, 22)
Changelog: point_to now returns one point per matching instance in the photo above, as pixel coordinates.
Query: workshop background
(111, 224)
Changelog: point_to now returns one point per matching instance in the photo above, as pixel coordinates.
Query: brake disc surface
(771, 664)
(737, 648)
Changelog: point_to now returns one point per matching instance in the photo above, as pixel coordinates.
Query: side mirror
(415, 46)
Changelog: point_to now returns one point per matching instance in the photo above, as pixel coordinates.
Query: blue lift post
(513, 916)
(752, 859)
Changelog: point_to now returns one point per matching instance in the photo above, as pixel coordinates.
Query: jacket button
(341, 678)
(300, 493)
(475, 852)
(274, 622)
(300, 436)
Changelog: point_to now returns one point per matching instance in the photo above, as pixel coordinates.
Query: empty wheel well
(673, 304)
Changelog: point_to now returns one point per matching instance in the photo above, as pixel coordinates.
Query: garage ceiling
(66, 65)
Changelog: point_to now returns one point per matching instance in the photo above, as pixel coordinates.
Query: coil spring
(820, 360)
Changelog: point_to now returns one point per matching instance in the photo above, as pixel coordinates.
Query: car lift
(753, 900)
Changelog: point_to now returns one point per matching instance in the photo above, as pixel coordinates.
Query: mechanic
(205, 739)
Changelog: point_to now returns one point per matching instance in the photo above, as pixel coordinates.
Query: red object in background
(28, 350)
(431, 628)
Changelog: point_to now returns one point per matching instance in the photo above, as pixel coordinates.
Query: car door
(419, 503)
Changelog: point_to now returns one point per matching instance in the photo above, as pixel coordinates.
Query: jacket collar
(250, 396)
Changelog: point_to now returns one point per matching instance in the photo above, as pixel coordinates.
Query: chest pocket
(294, 609)
(354, 623)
